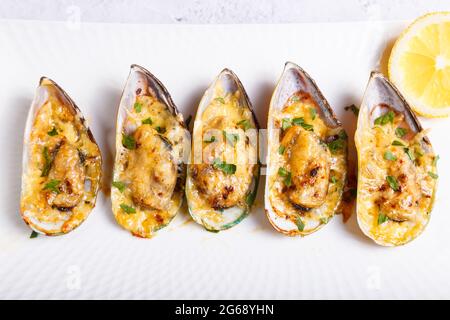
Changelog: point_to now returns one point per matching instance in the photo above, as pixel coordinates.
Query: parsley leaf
(52, 186)
(300, 224)
(33, 234)
(324, 220)
(160, 129)
(389, 156)
(281, 149)
(227, 168)
(47, 162)
(138, 107)
(119, 185)
(382, 218)
(147, 121)
(127, 209)
(301, 122)
(232, 138)
(128, 142)
(53, 132)
(410, 154)
(393, 183)
(220, 99)
(400, 132)
(282, 172)
(397, 143)
(313, 113)
(286, 123)
(385, 118)
(336, 145)
(298, 121)
(245, 124)
(433, 175)
(212, 139)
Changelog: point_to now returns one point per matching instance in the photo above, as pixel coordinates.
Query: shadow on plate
(104, 112)
(14, 172)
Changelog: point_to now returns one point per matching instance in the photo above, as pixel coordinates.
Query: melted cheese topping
(226, 132)
(301, 105)
(148, 170)
(387, 216)
(37, 206)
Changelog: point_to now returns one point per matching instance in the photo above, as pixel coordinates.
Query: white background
(251, 260)
(220, 11)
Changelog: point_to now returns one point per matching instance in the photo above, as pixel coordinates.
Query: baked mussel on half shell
(149, 172)
(61, 163)
(306, 157)
(397, 175)
(222, 178)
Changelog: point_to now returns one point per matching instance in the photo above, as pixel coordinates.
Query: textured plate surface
(101, 260)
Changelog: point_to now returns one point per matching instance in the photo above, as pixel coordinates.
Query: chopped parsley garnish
(33, 234)
(119, 185)
(382, 218)
(400, 132)
(333, 179)
(138, 107)
(227, 168)
(300, 224)
(53, 132)
(435, 160)
(232, 138)
(301, 122)
(410, 154)
(282, 172)
(47, 163)
(397, 143)
(389, 156)
(147, 121)
(393, 183)
(336, 145)
(128, 142)
(127, 208)
(343, 135)
(324, 220)
(52, 186)
(245, 124)
(286, 123)
(353, 108)
(385, 118)
(433, 175)
(295, 98)
(339, 143)
(313, 113)
(212, 139)
(220, 99)
(160, 129)
(281, 149)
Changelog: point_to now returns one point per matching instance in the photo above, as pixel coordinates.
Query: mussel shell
(46, 88)
(230, 83)
(293, 79)
(141, 79)
(381, 92)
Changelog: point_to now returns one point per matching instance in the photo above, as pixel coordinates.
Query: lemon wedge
(419, 65)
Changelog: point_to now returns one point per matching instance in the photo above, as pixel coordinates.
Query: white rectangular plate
(101, 260)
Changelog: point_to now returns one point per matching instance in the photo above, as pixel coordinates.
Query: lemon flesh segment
(420, 65)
